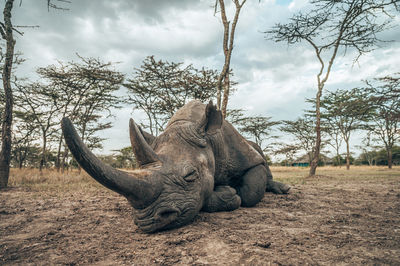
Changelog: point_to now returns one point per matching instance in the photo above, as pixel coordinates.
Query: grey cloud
(274, 78)
(63, 32)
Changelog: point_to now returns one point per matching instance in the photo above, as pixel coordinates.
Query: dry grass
(299, 175)
(51, 180)
(335, 176)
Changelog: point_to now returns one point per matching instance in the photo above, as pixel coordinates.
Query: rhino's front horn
(143, 152)
(140, 186)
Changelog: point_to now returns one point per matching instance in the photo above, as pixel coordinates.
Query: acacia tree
(25, 133)
(100, 83)
(160, 88)
(369, 151)
(125, 158)
(332, 26)
(258, 128)
(41, 103)
(62, 79)
(227, 46)
(98, 100)
(385, 97)
(335, 140)
(302, 131)
(83, 91)
(347, 111)
(86, 94)
(288, 150)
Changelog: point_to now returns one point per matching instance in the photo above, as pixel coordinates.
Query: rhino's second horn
(144, 154)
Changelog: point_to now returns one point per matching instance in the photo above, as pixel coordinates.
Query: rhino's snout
(161, 219)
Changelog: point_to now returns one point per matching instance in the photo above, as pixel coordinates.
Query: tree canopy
(160, 88)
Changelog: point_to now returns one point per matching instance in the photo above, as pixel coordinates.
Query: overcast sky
(274, 79)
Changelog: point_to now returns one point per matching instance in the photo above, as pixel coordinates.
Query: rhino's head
(176, 170)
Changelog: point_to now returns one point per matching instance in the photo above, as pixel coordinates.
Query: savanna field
(337, 217)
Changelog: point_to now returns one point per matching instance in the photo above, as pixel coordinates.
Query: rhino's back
(192, 111)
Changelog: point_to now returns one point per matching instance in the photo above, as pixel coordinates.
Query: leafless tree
(227, 46)
(332, 26)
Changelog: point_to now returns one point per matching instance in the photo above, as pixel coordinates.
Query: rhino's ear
(212, 120)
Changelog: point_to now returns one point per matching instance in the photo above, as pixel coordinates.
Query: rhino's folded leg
(252, 186)
(277, 187)
(223, 198)
(274, 186)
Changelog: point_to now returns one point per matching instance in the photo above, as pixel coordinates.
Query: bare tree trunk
(226, 95)
(20, 159)
(43, 157)
(65, 155)
(227, 48)
(225, 68)
(347, 154)
(310, 156)
(321, 84)
(219, 95)
(339, 161)
(24, 157)
(337, 146)
(5, 153)
(58, 160)
(390, 158)
(315, 160)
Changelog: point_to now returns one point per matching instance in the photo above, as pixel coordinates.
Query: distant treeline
(89, 92)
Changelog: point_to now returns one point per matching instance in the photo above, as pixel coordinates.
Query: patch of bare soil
(321, 222)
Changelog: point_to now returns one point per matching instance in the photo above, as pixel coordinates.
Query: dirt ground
(331, 219)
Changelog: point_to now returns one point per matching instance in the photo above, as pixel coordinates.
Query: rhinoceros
(199, 163)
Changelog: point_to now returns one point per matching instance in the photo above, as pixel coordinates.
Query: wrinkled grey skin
(200, 162)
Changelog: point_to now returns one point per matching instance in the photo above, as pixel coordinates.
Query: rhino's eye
(191, 176)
